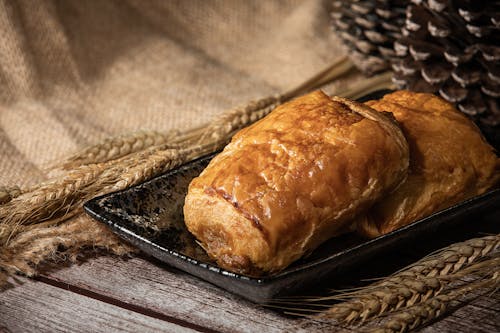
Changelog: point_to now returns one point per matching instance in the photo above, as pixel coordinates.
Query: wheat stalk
(116, 147)
(225, 126)
(57, 199)
(433, 308)
(47, 201)
(62, 242)
(230, 122)
(374, 83)
(156, 162)
(417, 283)
(123, 145)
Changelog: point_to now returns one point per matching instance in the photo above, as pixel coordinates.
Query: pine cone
(453, 47)
(369, 29)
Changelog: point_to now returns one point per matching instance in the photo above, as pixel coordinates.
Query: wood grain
(169, 292)
(38, 307)
(480, 315)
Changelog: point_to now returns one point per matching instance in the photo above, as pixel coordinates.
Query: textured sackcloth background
(74, 72)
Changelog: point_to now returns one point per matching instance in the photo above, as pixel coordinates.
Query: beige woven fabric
(74, 72)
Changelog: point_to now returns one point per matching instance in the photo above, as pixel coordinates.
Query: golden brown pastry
(449, 161)
(292, 180)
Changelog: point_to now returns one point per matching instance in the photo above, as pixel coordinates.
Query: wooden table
(108, 294)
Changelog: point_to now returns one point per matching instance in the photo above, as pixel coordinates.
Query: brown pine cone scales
(453, 47)
(369, 29)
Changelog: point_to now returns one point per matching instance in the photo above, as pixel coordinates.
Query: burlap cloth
(74, 72)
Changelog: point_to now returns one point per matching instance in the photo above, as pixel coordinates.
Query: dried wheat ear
(416, 294)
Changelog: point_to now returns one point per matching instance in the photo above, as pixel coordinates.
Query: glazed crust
(293, 180)
(450, 161)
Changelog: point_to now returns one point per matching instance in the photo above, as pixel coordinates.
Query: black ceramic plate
(150, 217)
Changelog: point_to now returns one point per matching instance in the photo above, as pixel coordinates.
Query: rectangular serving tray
(149, 216)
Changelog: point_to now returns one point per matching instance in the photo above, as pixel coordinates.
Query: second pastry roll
(450, 161)
(293, 180)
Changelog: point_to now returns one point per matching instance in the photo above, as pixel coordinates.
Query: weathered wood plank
(170, 292)
(38, 307)
(480, 315)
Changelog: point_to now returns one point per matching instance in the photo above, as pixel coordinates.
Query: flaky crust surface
(292, 180)
(449, 161)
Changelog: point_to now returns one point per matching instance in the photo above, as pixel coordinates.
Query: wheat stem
(338, 68)
(61, 242)
(364, 87)
(433, 308)
(59, 198)
(116, 147)
(413, 285)
(225, 126)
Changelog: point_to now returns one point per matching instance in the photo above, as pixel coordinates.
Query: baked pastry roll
(292, 180)
(450, 161)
